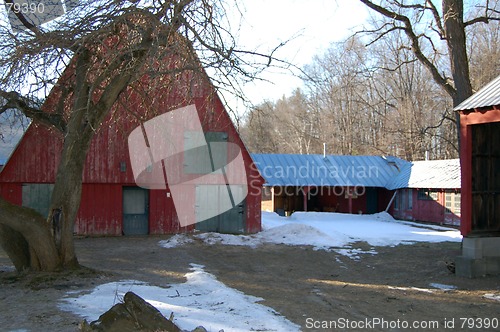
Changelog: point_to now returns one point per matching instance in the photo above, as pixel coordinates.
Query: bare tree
(425, 25)
(260, 128)
(99, 54)
(483, 44)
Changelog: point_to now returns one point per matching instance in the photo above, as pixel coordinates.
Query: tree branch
(15, 100)
(414, 40)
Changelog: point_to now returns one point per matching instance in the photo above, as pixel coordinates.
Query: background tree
(396, 97)
(425, 25)
(110, 50)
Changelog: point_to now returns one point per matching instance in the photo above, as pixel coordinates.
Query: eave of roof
(487, 96)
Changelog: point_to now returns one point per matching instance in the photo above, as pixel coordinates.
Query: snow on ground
(495, 297)
(201, 300)
(175, 241)
(331, 231)
(442, 286)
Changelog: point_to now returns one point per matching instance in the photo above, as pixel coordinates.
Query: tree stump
(134, 314)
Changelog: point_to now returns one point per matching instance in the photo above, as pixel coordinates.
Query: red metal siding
(163, 216)
(12, 192)
(426, 210)
(100, 210)
(36, 157)
(334, 199)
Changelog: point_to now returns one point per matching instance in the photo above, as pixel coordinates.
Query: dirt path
(310, 288)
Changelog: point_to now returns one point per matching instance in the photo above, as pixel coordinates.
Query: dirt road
(314, 289)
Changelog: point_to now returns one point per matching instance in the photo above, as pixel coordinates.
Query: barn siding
(426, 210)
(101, 210)
(12, 192)
(36, 157)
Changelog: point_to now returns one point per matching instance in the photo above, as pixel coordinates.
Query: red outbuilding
(480, 164)
(112, 203)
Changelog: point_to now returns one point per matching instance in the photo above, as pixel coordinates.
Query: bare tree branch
(14, 100)
(408, 29)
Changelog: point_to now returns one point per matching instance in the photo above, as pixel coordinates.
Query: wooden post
(349, 193)
(305, 190)
(273, 207)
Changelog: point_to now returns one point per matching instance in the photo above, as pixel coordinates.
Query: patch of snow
(423, 290)
(175, 241)
(354, 254)
(495, 297)
(442, 286)
(228, 239)
(7, 268)
(201, 300)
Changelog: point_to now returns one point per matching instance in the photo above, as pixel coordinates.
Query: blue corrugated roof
(431, 174)
(332, 170)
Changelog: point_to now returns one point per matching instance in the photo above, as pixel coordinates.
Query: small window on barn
(448, 202)
(452, 202)
(456, 203)
(204, 153)
(427, 195)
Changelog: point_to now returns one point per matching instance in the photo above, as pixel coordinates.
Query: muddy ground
(310, 288)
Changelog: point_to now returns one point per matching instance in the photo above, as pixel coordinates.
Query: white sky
(315, 24)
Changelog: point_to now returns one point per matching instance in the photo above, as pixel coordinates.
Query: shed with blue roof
(330, 183)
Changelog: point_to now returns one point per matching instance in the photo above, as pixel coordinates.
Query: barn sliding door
(217, 211)
(135, 211)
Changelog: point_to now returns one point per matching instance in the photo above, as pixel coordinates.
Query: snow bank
(329, 231)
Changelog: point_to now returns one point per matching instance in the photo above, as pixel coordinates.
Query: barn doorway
(211, 207)
(135, 211)
(371, 200)
(37, 196)
(486, 179)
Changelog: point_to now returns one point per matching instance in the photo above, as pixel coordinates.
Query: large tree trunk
(66, 195)
(67, 191)
(455, 38)
(26, 238)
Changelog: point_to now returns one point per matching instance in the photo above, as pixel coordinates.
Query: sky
(311, 25)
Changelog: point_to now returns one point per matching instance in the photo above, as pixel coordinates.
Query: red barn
(428, 190)
(480, 163)
(112, 203)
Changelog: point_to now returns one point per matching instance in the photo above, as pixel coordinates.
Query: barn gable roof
(429, 174)
(332, 170)
(487, 96)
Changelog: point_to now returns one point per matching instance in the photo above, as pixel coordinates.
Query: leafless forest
(370, 95)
